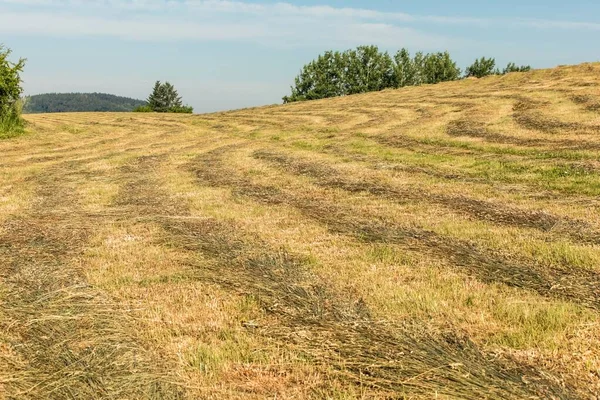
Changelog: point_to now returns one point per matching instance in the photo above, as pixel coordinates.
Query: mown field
(430, 242)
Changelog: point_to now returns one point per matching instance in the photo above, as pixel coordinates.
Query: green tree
(419, 69)
(321, 78)
(333, 74)
(405, 72)
(512, 67)
(156, 100)
(482, 67)
(438, 67)
(164, 98)
(10, 93)
(368, 70)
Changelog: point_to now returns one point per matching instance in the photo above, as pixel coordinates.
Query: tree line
(79, 102)
(367, 69)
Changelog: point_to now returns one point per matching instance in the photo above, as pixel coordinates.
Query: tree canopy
(482, 67)
(367, 69)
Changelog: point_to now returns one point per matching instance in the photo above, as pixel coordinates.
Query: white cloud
(161, 20)
(130, 28)
(224, 20)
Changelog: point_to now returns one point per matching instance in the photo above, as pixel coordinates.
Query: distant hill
(79, 102)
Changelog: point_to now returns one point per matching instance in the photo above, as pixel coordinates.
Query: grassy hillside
(430, 242)
(79, 102)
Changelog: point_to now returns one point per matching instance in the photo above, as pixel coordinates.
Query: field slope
(430, 242)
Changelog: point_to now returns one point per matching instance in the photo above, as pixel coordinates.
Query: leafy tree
(419, 69)
(439, 67)
(512, 67)
(337, 74)
(10, 93)
(164, 98)
(405, 70)
(482, 67)
(321, 78)
(368, 70)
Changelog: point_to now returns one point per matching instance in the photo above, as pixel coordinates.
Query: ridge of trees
(79, 102)
(487, 66)
(164, 99)
(367, 69)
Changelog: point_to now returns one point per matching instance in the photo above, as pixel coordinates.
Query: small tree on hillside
(482, 67)
(164, 98)
(10, 91)
(512, 67)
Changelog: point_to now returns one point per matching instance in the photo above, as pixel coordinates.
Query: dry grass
(440, 241)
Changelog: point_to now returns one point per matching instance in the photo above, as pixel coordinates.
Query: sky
(224, 54)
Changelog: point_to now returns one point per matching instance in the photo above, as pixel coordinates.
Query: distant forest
(79, 102)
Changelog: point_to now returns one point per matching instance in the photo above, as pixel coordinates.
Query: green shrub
(11, 105)
(11, 123)
(144, 109)
(482, 67)
(512, 67)
(181, 109)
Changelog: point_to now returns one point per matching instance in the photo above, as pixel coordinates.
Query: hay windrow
(579, 286)
(67, 339)
(333, 330)
(327, 176)
(336, 330)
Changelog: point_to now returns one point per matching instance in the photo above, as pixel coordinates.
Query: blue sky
(231, 54)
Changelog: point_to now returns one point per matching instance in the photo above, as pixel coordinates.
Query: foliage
(321, 78)
(366, 69)
(143, 108)
(439, 67)
(79, 102)
(11, 123)
(406, 70)
(181, 109)
(10, 93)
(164, 98)
(512, 67)
(482, 67)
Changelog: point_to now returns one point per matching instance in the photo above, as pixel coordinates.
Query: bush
(482, 67)
(11, 123)
(512, 67)
(11, 105)
(181, 109)
(144, 109)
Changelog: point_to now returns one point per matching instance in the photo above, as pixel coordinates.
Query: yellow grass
(431, 242)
